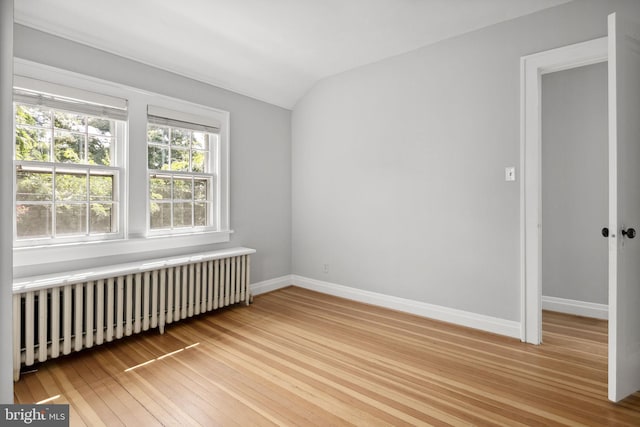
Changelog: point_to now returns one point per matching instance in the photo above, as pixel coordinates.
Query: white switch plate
(510, 173)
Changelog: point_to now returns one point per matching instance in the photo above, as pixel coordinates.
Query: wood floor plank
(297, 357)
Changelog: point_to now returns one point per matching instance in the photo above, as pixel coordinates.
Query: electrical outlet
(325, 268)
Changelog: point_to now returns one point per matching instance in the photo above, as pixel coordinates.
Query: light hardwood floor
(297, 357)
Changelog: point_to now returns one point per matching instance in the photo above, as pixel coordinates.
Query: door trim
(532, 67)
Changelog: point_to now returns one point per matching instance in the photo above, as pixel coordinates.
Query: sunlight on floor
(173, 353)
(50, 399)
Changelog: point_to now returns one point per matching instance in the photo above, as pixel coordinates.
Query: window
(181, 159)
(104, 169)
(67, 174)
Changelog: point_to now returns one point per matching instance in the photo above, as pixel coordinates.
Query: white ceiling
(273, 50)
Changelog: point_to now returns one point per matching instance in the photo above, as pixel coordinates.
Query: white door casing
(532, 67)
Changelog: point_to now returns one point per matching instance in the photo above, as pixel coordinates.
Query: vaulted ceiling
(272, 50)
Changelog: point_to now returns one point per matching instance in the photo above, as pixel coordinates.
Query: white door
(624, 208)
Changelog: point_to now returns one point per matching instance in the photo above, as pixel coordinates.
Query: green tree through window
(65, 173)
(180, 177)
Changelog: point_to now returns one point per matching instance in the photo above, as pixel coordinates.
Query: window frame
(115, 170)
(210, 174)
(134, 197)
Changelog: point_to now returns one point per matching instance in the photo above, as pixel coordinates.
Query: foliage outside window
(66, 173)
(182, 174)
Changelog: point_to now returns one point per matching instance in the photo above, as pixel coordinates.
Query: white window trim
(137, 238)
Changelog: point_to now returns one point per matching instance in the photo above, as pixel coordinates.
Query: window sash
(115, 140)
(54, 202)
(172, 200)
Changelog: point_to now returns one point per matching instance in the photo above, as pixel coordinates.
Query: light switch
(510, 173)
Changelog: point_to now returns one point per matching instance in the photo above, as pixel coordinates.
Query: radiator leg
(16, 375)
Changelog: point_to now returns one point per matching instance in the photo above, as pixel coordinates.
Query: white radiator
(53, 316)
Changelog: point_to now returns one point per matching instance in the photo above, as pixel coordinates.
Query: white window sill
(30, 256)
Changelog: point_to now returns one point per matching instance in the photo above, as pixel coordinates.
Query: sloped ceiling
(272, 50)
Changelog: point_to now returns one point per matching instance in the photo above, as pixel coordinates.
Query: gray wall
(260, 148)
(575, 184)
(398, 166)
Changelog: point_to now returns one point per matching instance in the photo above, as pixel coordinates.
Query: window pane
(69, 147)
(186, 198)
(33, 220)
(200, 189)
(32, 115)
(158, 158)
(182, 189)
(199, 161)
(160, 188)
(71, 219)
(100, 126)
(181, 137)
(70, 121)
(101, 218)
(34, 186)
(71, 186)
(179, 160)
(101, 187)
(200, 141)
(99, 150)
(160, 215)
(182, 214)
(32, 144)
(200, 214)
(158, 134)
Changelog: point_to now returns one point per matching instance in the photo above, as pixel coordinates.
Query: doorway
(533, 67)
(574, 165)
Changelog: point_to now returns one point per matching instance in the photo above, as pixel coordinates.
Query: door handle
(605, 232)
(629, 232)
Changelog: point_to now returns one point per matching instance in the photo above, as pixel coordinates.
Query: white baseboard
(459, 317)
(578, 308)
(271, 285)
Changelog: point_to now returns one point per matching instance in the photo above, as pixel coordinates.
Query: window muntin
(66, 183)
(182, 177)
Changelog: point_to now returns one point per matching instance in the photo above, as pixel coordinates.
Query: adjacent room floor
(296, 357)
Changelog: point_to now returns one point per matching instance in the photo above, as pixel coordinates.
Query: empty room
(340, 212)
